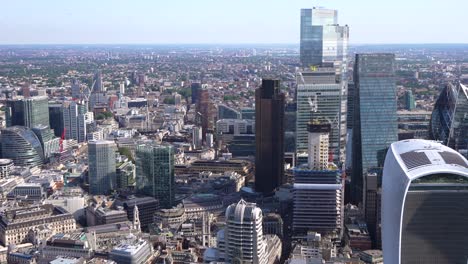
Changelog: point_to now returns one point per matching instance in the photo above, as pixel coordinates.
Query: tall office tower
(195, 87)
(205, 115)
(349, 125)
(375, 119)
(28, 112)
(321, 95)
(197, 137)
(75, 120)
(56, 118)
(372, 212)
(243, 235)
(49, 142)
(76, 89)
(424, 204)
(318, 188)
(226, 112)
(97, 82)
(322, 39)
(269, 137)
(449, 120)
(122, 88)
(409, 100)
(102, 170)
(141, 79)
(21, 145)
(155, 172)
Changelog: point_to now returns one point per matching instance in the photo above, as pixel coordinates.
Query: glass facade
(155, 172)
(322, 39)
(449, 120)
(226, 112)
(102, 169)
(21, 145)
(375, 115)
(321, 96)
(28, 112)
(434, 221)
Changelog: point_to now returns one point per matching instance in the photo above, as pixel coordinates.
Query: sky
(225, 21)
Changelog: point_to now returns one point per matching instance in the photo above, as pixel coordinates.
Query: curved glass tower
(424, 204)
(449, 121)
(21, 145)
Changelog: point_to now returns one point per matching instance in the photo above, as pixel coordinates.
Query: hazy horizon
(144, 22)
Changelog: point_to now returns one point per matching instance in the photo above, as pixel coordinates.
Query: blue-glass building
(449, 120)
(322, 39)
(155, 172)
(375, 115)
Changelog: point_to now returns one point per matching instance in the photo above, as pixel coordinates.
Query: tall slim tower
(97, 82)
(244, 241)
(269, 136)
(375, 120)
(318, 188)
(205, 114)
(155, 172)
(322, 39)
(101, 174)
(424, 204)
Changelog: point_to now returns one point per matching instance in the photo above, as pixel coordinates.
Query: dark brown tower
(204, 115)
(269, 137)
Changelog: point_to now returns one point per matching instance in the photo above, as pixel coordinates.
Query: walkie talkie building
(424, 204)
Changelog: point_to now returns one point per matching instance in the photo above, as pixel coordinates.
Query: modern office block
(424, 204)
(205, 114)
(226, 112)
(321, 95)
(102, 170)
(155, 172)
(133, 253)
(21, 145)
(194, 88)
(243, 236)
(322, 39)
(56, 118)
(49, 142)
(318, 189)
(247, 113)
(76, 118)
(269, 137)
(197, 139)
(410, 104)
(449, 120)
(28, 112)
(375, 116)
(97, 82)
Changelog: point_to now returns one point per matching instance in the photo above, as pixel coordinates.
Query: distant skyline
(225, 22)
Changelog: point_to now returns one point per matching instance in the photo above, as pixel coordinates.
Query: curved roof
(419, 157)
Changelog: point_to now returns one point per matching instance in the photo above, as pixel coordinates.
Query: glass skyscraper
(28, 112)
(375, 118)
(102, 169)
(155, 172)
(322, 39)
(322, 84)
(449, 121)
(321, 96)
